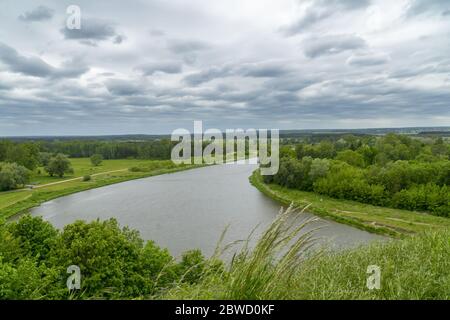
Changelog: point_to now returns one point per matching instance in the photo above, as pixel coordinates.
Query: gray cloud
(370, 59)
(427, 69)
(36, 67)
(40, 13)
(331, 44)
(227, 68)
(253, 70)
(207, 75)
(118, 39)
(4, 86)
(157, 33)
(319, 10)
(188, 49)
(163, 66)
(187, 46)
(262, 70)
(428, 6)
(123, 87)
(93, 31)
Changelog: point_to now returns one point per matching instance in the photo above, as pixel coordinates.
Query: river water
(189, 209)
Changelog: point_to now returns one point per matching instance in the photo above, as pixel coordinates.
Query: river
(189, 209)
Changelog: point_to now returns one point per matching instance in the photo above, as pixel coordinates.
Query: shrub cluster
(114, 262)
(394, 171)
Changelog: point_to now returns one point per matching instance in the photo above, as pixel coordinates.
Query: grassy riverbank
(413, 268)
(109, 172)
(387, 221)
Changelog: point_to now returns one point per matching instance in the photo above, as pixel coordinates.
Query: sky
(154, 66)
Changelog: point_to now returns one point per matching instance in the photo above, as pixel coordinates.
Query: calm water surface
(188, 209)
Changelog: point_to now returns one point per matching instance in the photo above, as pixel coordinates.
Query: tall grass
(264, 270)
(282, 266)
(268, 269)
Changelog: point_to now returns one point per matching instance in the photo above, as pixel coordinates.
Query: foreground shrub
(114, 262)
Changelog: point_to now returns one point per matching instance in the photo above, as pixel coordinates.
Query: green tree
(34, 235)
(44, 158)
(96, 159)
(353, 158)
(59, 165)
(319, 169)
(24, 154)
(12, 175)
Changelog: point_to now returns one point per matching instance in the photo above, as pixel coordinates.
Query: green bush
(428, 197)
(13, 175)
(96, 159)
(351, 157)
(395, 181)
(114, 262)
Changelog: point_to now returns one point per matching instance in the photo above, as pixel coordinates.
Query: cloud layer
(151, 67)
(39, 13)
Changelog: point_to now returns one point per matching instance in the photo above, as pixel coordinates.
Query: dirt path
(75, 179)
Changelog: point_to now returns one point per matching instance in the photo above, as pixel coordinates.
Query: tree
(59, 165)
(353, 158)
(24, 154)
(319, 169)
(12, 175)
(44, 158)
(96, 159)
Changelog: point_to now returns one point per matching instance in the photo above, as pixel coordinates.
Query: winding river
(189, 209)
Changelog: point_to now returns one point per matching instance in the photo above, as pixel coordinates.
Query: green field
(109, 172)
(83, 166)
(388, 221)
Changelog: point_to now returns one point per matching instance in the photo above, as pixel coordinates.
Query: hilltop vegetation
(115, 263)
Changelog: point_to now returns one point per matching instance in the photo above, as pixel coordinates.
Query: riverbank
(386, 221)
(48, 188)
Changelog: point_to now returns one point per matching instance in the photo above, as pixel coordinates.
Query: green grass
(282, 267)
(83, 166)
(387, 221)
(18, 201)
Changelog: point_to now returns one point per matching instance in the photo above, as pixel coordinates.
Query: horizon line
(168, 134)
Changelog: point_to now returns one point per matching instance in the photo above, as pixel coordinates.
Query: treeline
(153, 149)
(19, 159)
(28, 155)
(394, 170)
(114, 263)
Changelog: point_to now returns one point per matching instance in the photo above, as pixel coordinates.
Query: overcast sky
(154, 66)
